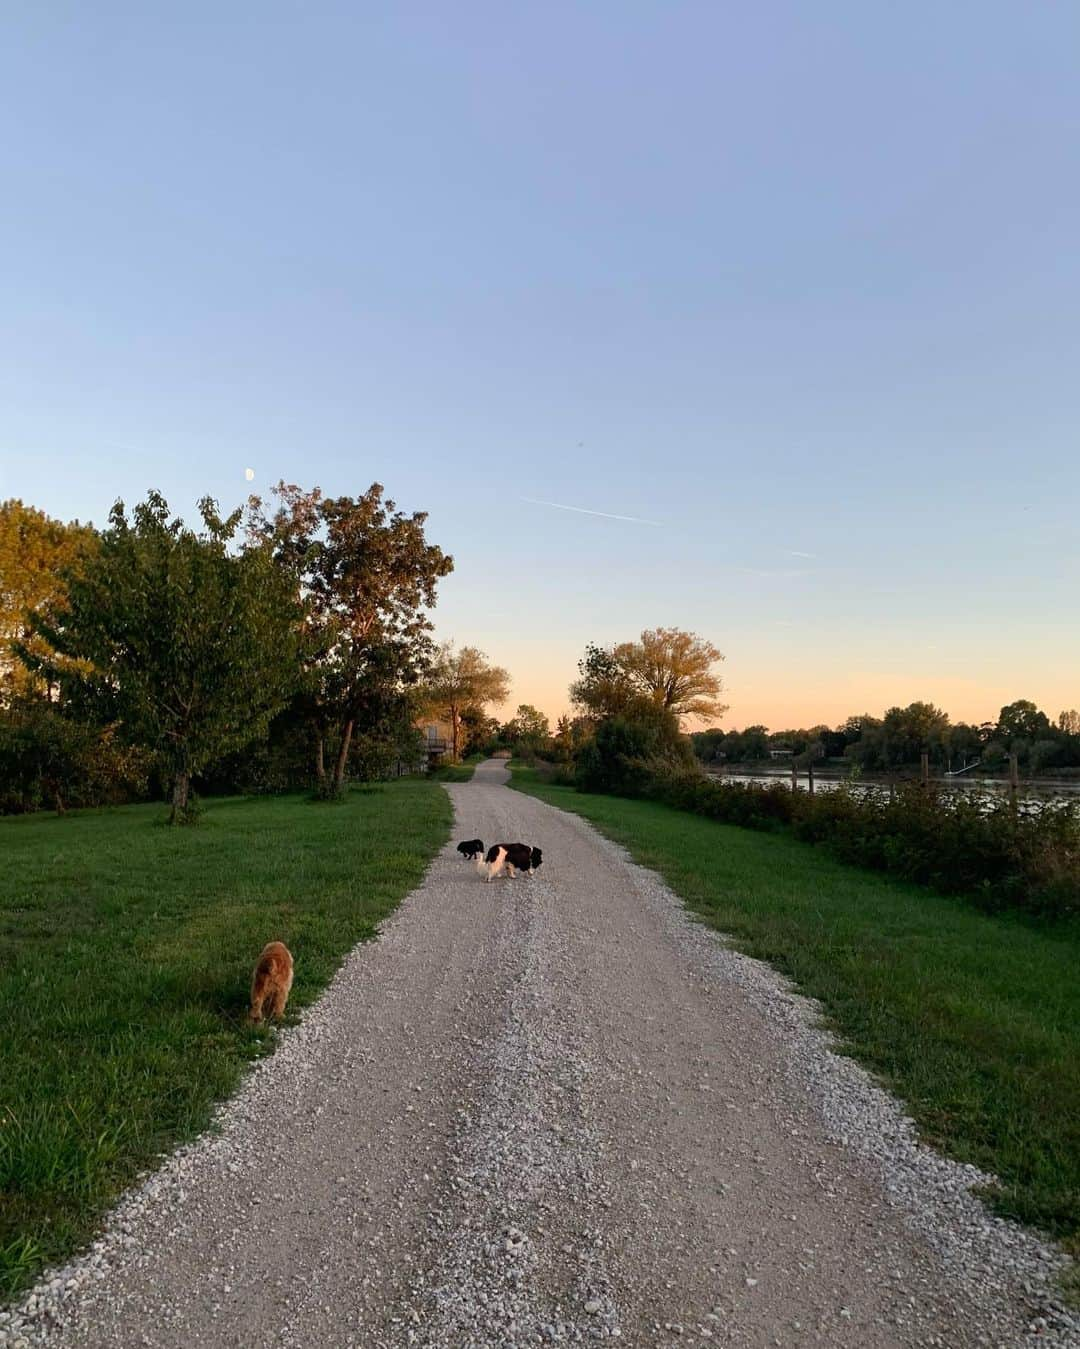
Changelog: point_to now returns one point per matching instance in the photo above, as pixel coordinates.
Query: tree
(1069, 722)
(528, 730)
(908, 731)
(602, 688)
(49, 758)
(35, 554)
(477, 729)
(965, 744)
(189, 646)
(674, 669)
(629, 748)
(571, 735)
(459, 680)
(1021, 720)
(365, 572)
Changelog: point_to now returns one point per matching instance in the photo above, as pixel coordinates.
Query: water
(1031, 795)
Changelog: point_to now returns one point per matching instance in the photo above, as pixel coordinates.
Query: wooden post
(924, 768)
(1014, 777)
(810, 778)
(794, 776)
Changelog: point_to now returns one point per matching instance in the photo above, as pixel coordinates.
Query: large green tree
(187, 644)
(1021, 720)
(365, 574)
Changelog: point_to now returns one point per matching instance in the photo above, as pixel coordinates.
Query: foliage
(630, 750)
(602, 688)
(49, 759)
(36, 553)
(571, 736)
(895, 743)
(479, 732)
(674, 670)
(527, 734)
(1000, 857)
(666, 666)
(187, 646)
(460, 680)
(972, 1018)
(125, 963)
(365, 572)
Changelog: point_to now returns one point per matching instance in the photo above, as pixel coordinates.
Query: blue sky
(787, 280)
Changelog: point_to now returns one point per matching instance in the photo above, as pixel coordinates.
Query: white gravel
(553, 1111)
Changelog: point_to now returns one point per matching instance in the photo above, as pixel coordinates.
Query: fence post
(810, 778)
(1014, 777)
(924, 768)
(794, 776)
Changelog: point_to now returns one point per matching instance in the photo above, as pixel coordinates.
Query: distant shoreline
(833, 773)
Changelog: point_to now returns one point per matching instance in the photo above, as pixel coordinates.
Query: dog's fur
(514, 857)
(472, 849)
(271, 981)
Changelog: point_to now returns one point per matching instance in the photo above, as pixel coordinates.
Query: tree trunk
(453, 733)
(343, 756)
(320, 762)
(181, 789)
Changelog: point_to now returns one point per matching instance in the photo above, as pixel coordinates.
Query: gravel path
(552, 1111)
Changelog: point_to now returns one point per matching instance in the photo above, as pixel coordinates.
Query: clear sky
(799, 283)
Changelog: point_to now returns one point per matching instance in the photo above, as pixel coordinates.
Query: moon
(249, 473)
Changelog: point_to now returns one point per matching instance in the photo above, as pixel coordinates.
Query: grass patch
(454, 772)
(125, 961)
(972, 1019)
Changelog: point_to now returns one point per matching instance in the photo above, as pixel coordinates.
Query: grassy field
(126, 951)
(973, 1020)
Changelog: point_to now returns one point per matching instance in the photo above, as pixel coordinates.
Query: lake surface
(1030, 794)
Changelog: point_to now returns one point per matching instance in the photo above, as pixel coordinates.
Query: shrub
(633, 750)
(48, 760)
(957, 843)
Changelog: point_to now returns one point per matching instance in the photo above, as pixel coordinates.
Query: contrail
(794, 552)
(581, 510)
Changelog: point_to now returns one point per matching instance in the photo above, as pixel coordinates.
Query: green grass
(126, 951)
(973, 1020)
(454, 772)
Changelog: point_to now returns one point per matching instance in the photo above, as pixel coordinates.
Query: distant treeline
(627, 741)
(897, 741)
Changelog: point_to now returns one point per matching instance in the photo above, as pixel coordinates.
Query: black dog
(513, 856)
(472, 851)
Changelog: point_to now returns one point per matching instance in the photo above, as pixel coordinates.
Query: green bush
(631, 751)
(1002, 857)
(51, 761)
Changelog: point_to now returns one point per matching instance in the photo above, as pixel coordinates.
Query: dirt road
(551, 1111)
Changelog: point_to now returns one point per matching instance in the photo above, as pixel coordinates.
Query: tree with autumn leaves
(633, 698)
(364, 574)
(670, 669)
(36, 554)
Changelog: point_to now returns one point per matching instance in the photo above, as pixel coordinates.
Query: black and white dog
(514, 857)
(473, 851)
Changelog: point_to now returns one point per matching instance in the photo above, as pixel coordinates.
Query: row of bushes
(956, 842)
(52, 761)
